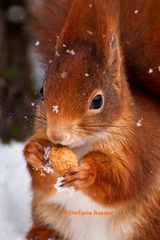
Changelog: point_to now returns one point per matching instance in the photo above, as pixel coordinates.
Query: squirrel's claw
(79, 177)
(34, 152)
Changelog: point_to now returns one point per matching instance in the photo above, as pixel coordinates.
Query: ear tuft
(114, 59)
(113, 41)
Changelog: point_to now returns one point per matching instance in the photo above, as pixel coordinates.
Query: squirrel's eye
(97, 102)
(41, 94)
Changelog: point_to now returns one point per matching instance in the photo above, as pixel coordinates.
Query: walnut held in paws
(62, 159)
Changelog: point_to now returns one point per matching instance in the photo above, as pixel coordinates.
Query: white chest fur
(86, 221)
(87, 227)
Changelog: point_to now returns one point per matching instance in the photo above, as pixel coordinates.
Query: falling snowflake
(89, 32)
(32, 104)
(139, 123)
(50, 61)
(150, 70)
(55, 109)
(63, 75)
(136, 11)
(86, 74)
(71, 52)
(37, 43)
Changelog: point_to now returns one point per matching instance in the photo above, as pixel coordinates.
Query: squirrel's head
(83, 88)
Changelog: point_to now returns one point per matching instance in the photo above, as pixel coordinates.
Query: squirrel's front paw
(80, 177)
(36, 153)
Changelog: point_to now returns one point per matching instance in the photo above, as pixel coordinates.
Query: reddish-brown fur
(140, 35)
(123, 168)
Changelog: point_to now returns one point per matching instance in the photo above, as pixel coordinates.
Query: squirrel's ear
(94, 21)
(80, 24)
(46, 20)
(108, 26)
(115, 59)
(114, 53)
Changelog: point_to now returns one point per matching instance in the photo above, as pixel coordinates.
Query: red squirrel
(100, 99)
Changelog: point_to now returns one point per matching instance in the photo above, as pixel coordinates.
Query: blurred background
(21, 76)
(20, 73)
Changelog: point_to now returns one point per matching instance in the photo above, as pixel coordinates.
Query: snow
(58, 186)
(55, 108)
(46, 152)
(15, 194)
(139, 123)
(136, 11)
(63, 75)
(89, 32)
(32, 104)
(86, 75)
(59, 182)
(37, 43)
(71, 52)
(47, 168)
(50, 61)
(150, 70)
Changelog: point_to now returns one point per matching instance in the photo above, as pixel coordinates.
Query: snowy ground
(14, 193)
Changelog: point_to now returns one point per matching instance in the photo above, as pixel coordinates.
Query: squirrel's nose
(56, 138)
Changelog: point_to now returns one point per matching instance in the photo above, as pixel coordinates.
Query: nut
(62, 159)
